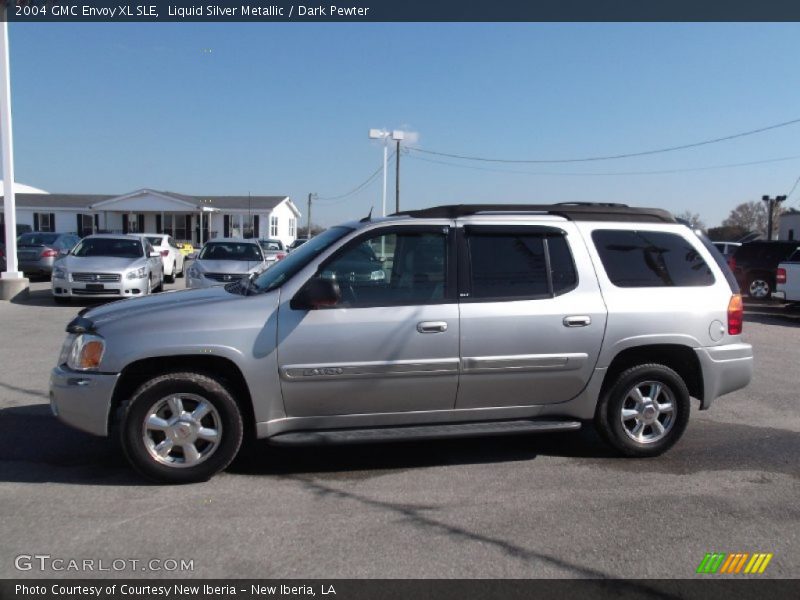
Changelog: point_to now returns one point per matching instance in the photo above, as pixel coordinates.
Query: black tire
(620, 394)
(171, 469)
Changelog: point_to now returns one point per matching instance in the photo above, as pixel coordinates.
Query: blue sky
(285, 109)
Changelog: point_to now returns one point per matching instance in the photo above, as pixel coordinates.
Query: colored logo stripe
(722, 562)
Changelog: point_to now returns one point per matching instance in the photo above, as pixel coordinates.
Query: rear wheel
(181, 428)
(171, 277)
(645, 411)
(759, 287)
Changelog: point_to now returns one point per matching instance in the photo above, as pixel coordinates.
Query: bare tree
(692, 218)
(750, 216)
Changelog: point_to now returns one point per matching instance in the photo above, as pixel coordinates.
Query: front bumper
(82, 400)
(725, 369)
(125, 288)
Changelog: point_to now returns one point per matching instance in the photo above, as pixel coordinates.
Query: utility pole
(308, 231)
(772, 203)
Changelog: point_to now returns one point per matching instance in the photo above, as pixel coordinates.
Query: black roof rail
(574, 211)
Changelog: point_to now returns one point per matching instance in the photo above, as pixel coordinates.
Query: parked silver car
(487, 320)
(274, 250)
(224, 260)
(108, 266)
(37, 252)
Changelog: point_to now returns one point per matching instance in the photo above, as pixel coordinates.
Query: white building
(153, 211)
(789, 225)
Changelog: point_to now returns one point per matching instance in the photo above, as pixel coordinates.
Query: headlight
(86, 352)
(137, 273)
(59, 273)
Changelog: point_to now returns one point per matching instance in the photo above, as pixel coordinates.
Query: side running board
(420, 432)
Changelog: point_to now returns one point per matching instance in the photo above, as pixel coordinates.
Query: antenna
(368, 218)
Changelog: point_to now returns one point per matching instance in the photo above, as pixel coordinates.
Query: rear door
(532, 317)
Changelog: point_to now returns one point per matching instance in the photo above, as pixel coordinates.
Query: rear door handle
(432, 326)
(577, 321)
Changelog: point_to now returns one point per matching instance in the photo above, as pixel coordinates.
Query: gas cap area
(716, 331)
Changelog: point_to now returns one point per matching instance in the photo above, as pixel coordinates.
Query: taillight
(48, 253)
(780, 275)
(732, 263)
(165, 253)
(735, 315)
(280, 256)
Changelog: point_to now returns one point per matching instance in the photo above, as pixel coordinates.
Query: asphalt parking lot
(547, 506)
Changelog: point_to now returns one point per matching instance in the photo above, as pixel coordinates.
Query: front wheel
(181, 428)
(644, 411)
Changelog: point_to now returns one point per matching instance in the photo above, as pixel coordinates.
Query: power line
(613, 173)
(359, 187)
(612, 156)
(794, 187)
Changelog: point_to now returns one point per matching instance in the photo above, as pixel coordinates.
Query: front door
(391, 343)
(532, 317)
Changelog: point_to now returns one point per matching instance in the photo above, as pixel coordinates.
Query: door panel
(540, 350)
(391, 343)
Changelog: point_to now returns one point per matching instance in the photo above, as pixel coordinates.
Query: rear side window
(516, 264)
(650, 259)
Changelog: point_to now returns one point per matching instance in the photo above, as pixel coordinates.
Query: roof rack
(574, 211)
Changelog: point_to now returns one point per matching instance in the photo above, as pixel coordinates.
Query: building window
(44, 222)
(292, 227)
(249, 226)
(273, 226)
(791, 235)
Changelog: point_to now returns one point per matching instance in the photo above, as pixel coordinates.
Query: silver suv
(450, 321)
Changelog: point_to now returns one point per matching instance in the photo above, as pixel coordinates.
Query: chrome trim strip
(444, 366)
(524, 362)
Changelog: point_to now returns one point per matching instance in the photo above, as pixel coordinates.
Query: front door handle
(577, 321)
(432, 326)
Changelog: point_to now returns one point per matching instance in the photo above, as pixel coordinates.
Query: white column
(9, 201)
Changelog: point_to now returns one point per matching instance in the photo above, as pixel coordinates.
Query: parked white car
(225, 260)
(171, 255)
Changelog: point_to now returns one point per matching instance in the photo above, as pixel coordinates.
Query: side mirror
(316, 293)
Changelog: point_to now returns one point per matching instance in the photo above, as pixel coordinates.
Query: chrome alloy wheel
(648, 412)
(182, 430)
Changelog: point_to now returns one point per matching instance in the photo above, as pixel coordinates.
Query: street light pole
(12, 283)
(771, 204)
(397, 136)
(308, 230)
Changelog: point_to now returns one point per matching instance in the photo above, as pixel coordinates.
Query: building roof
(86, 201)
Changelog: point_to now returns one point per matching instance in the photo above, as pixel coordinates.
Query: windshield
(271, 244)
(37, 239)
(118, 248)
(285, 269)
(230, 251)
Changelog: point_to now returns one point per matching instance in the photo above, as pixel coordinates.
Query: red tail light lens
(780, 275)
(735, 315)
(48, 253)
(280, 256)
(165, 253)
(732, 263)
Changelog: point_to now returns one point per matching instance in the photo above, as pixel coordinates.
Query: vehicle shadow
(45, 298)
(36, 448)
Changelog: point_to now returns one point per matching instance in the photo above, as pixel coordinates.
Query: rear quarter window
(650, 259)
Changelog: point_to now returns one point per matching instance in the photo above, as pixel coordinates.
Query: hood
(100, 264)
(183, 300)
(228, 266)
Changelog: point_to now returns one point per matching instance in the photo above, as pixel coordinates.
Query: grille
(225, 277)
(79, 292)
(96, 277)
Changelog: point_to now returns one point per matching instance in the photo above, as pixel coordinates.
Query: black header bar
(357, 11)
